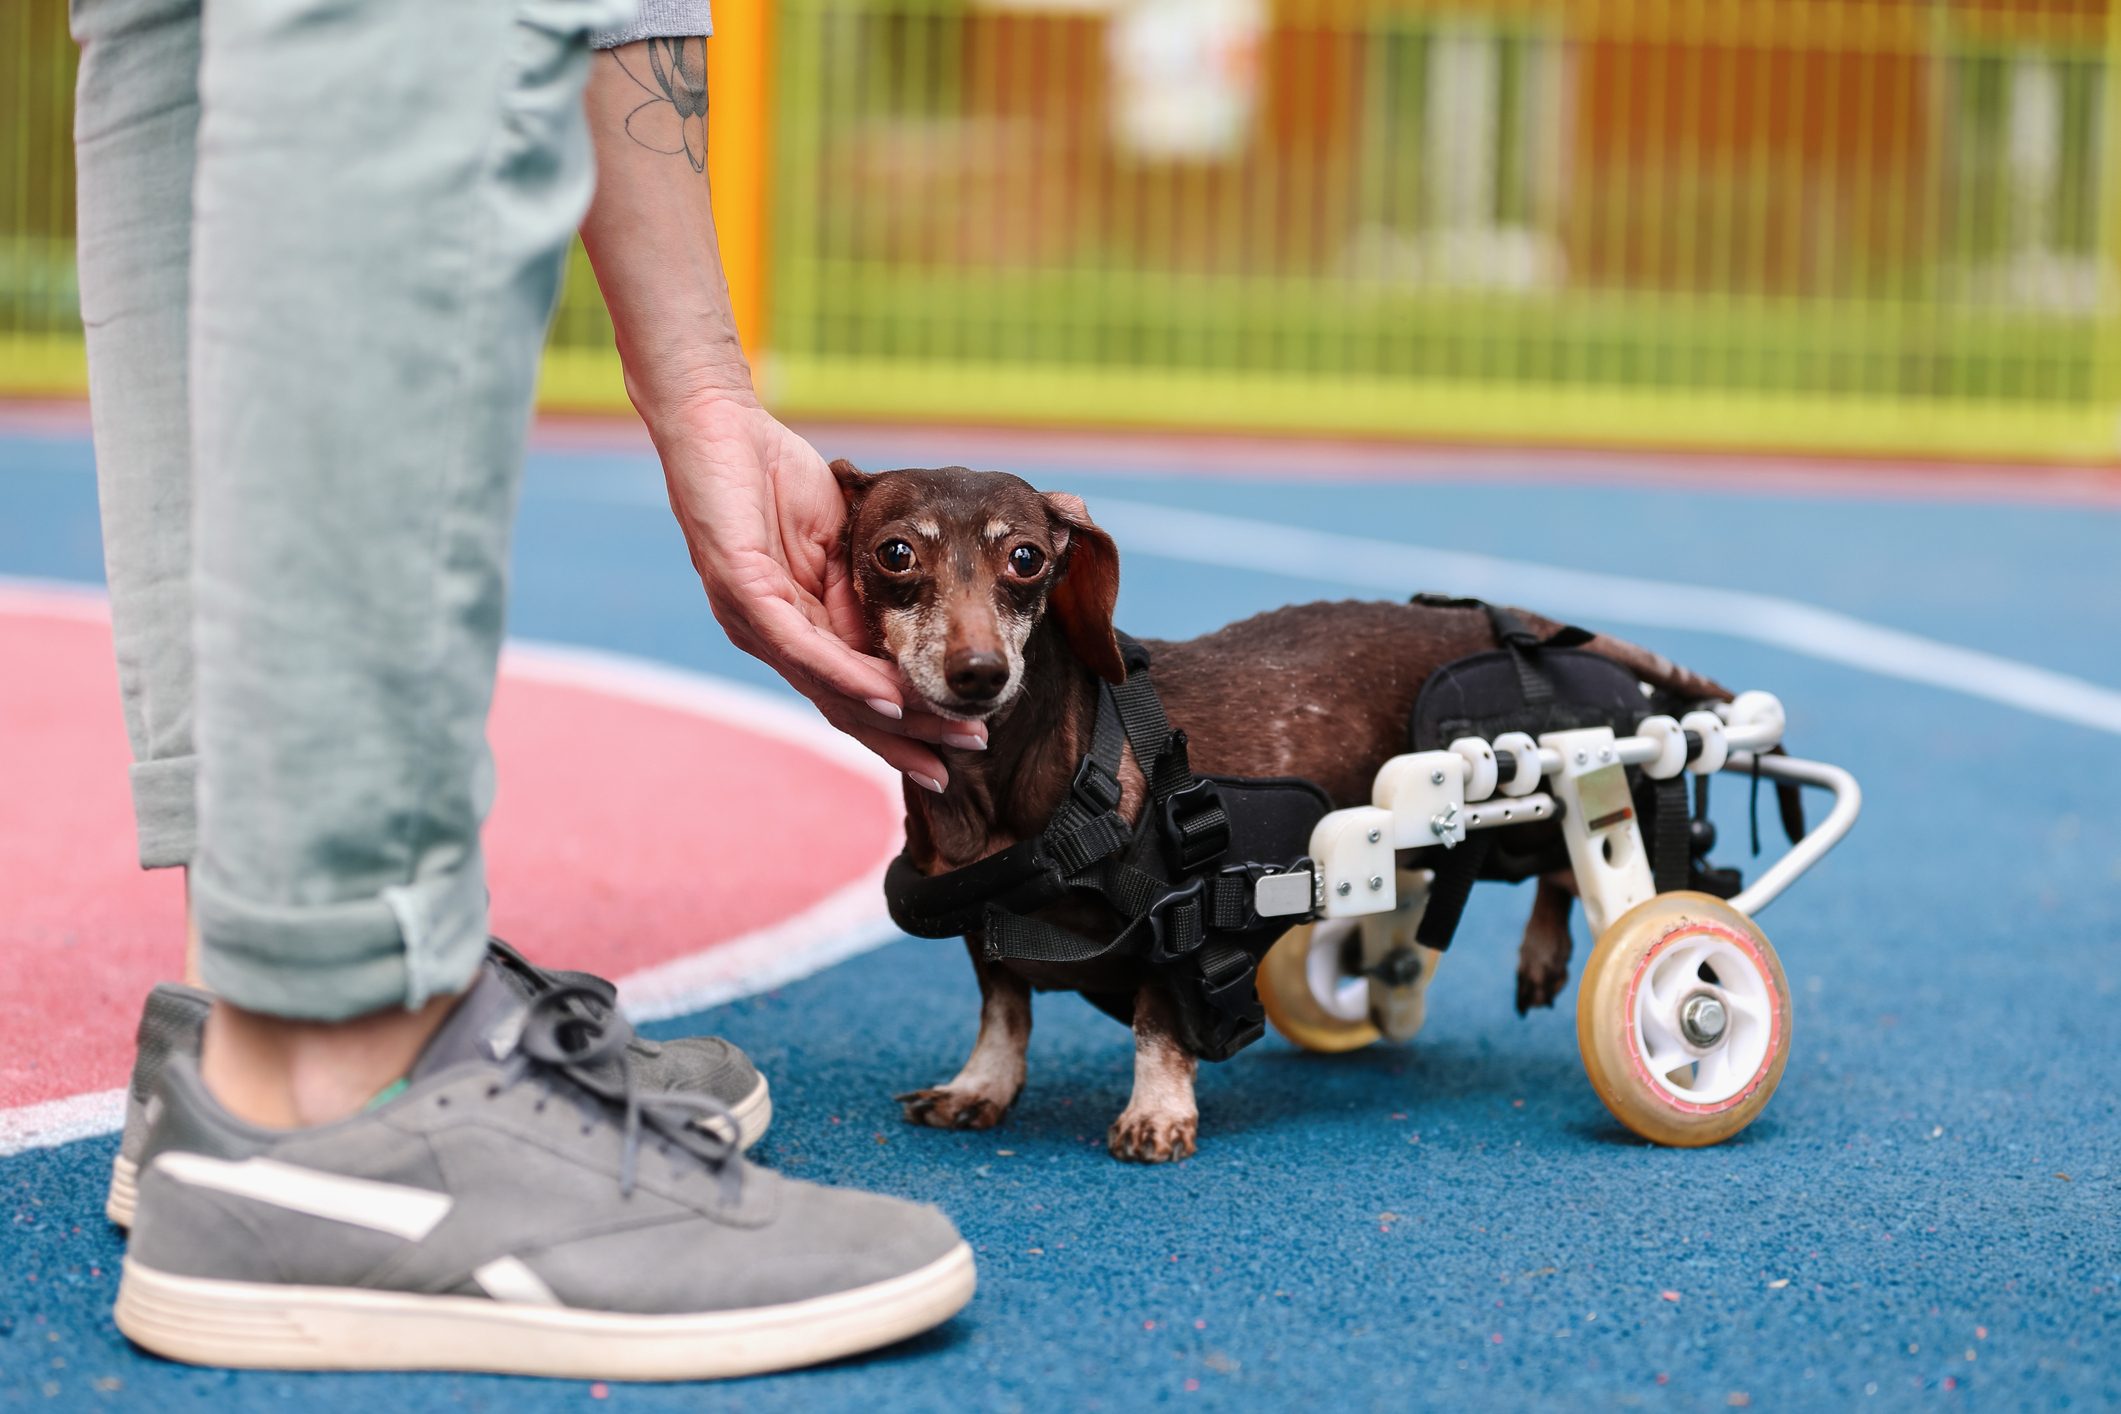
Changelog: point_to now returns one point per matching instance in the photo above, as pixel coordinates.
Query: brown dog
(996, 603)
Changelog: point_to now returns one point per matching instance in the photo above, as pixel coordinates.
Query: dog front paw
(1539, 986)
(941, 1107)
(1152, 1137)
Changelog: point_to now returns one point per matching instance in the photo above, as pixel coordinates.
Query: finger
(795, 645)
(845, 713)
(928, 727)
(904, 755)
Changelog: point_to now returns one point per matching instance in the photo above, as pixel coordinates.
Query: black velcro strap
(1450, 889)
(1087, 826)
(1096, 839)
(1229, 902)
(1671, 846)
(1142, 714)
(1013, 936)
(947, 905)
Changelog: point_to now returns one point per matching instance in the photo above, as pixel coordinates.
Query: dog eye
(896, 556)
(1025, 561)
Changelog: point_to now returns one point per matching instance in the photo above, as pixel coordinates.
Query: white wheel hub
(1704, 1018)
(1339, 993)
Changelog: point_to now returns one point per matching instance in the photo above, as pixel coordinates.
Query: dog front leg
(981, 1093)
(1543, 958)
(1161, 1122)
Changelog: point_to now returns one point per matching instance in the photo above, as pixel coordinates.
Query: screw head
(1343, 888)
(1377, 881)
(1436, 778)
(1605, 753)
(1376, 835)
(1582, 756)
(1702, 1019)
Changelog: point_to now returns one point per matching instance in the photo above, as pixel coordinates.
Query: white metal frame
(1436, 797)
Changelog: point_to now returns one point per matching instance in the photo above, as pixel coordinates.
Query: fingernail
(886, 709)
(965, 741)
(929, 781)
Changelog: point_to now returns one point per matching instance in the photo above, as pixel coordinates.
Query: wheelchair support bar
(1848, 802)
(1430, 798)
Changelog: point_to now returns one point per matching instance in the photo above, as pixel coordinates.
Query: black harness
(1182, 879)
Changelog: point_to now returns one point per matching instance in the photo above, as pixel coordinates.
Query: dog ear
(1088, 587)
(854, 483)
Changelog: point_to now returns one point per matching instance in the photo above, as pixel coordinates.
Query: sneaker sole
(754, 1115)
(250, 1325)
(124, 1193)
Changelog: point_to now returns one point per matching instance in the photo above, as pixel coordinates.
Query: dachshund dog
(996, 601)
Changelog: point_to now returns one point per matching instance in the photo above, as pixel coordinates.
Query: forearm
(650, 230)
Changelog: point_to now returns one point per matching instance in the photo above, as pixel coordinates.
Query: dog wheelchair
(1683, 1011)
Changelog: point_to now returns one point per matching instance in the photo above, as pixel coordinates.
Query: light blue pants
(320, 241)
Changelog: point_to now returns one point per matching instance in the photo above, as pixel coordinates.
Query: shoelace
(588, 1047)
(597, 997)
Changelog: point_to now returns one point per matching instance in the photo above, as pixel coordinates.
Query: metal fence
(1870, 225)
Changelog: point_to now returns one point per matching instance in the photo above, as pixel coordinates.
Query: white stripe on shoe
(508, 1279)
(410, 1213)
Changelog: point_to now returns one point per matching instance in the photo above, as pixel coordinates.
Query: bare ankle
(288, 1074)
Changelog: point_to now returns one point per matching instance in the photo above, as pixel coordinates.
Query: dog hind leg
(1543, 959)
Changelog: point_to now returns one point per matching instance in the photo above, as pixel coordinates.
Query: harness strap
(1449, 890)
(1012, 935)
(1670, 842)
(1179, 907)
(1087, 827)
(1522, 643)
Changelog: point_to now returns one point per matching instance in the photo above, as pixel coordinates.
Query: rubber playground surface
(1929, 1213)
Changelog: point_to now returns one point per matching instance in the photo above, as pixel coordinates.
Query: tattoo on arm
(674, 117)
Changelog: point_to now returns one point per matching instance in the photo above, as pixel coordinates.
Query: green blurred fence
(1777, 222)
(1885, 226)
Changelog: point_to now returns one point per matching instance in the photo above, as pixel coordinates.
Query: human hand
(764, 518)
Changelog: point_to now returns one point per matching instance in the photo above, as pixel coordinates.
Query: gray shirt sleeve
(661, 19)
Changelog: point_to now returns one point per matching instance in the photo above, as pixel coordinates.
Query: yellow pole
(739, 90)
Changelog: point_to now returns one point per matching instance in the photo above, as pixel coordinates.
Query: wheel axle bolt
(1702, 1019)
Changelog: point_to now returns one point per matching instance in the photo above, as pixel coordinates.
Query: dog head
(955, 569)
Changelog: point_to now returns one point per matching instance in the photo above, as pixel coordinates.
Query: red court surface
(686, 836)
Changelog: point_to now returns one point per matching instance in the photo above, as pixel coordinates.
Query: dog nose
(976, 676)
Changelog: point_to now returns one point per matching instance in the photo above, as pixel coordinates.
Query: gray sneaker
(691, 1065)
(521, 1208)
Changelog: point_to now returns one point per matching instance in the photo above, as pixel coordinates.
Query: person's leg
(136, 117)
(385, 190)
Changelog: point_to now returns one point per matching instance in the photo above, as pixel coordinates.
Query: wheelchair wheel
(1308, 997)
(1683, 1018)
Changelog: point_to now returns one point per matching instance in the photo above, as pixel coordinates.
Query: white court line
(1205, 538)
(845, 923)
(1268, 547)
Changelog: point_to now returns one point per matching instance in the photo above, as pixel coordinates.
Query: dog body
(996, 602)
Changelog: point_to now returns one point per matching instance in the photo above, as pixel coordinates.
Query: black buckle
(1158, 914)
(1188, 851)
(1095, 786)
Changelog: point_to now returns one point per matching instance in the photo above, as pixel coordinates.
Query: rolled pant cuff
(334, 961)
(165, 817)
